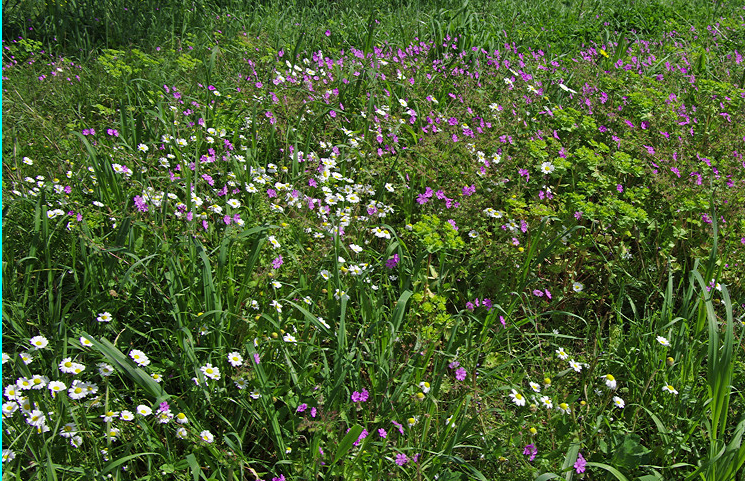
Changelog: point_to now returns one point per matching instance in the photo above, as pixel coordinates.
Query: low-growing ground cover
(366, 251)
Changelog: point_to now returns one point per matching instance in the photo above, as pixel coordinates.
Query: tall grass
(409, 240)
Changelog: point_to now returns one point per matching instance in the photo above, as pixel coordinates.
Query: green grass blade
(610, 469)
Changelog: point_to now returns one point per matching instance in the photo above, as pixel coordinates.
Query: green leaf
(346, 443)
(115, 464)
(547, 476)
(610, 469)
(194, 465)
(569, 460)
(123, 365)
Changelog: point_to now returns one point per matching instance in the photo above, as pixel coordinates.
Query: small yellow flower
(603, 53)
(533, 431)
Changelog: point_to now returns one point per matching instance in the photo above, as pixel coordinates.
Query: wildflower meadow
(397, 239)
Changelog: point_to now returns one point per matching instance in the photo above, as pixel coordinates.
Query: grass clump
(397, 243)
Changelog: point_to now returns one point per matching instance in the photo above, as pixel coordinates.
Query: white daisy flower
(105, 370)
(669, 388)
(235, 359)
(663, 341)
(210, 371)
(143, 410)
(517, 398)
(39, 342)
(77, 390)
(610, 381)
(575, 365)
(139, 357)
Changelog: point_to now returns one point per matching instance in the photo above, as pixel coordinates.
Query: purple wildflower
(363, 435)
(399, 426)
(360, 396)
(392, 262)
(580, 464)
(277, 262)
(460, 374)
(401, 459)
(302, 408)
(140, 204)
(530, 450)
(382, 433)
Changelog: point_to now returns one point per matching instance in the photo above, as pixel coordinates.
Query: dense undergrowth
(285, 241)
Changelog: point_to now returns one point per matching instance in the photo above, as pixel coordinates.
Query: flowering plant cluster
(371, 260)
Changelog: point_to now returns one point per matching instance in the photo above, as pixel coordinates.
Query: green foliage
(406, 241)
(436, 235)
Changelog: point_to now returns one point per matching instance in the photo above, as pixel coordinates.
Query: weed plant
(295, 241)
